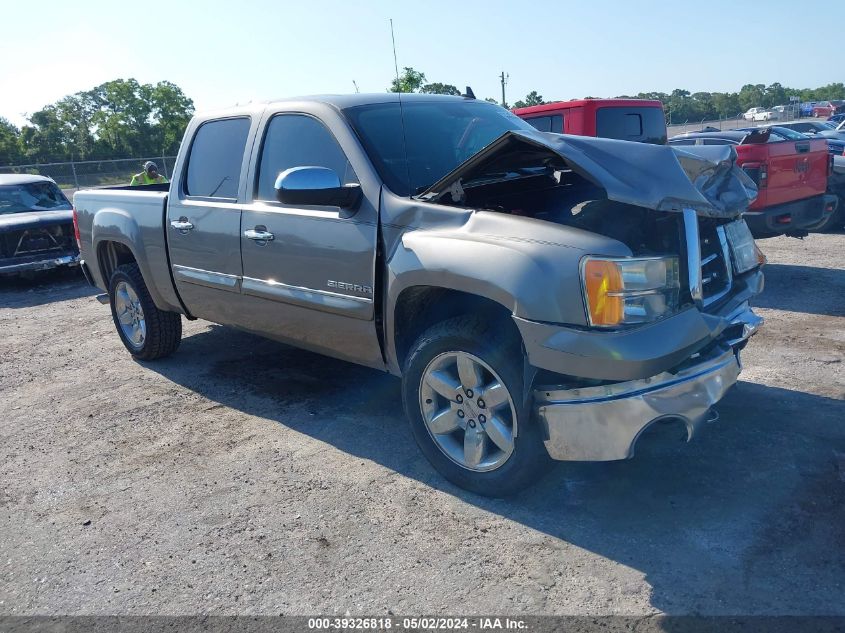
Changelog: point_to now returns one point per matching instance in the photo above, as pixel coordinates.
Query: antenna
(354, 83)
(395, 63)
(401, 111)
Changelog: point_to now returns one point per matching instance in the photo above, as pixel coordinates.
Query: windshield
(32, 196)
(440, 135)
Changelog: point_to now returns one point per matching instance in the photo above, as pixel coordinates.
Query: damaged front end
(664, 324)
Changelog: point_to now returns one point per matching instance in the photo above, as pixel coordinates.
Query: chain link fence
(81, 174)
(791, 114)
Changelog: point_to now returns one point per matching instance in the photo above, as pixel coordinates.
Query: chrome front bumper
(603, 423)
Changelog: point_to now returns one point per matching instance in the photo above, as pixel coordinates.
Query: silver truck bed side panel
(134, 219)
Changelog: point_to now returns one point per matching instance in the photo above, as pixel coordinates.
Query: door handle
(259, 235)
(181, 224)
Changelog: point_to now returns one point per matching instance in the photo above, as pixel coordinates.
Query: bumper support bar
(603, 423)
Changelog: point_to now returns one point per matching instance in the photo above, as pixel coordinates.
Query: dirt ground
(224, 480)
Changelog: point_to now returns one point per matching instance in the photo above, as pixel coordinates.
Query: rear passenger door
(313, 282)
(204, 220)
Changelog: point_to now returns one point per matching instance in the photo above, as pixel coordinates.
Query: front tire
(147, 332)
(462, 390)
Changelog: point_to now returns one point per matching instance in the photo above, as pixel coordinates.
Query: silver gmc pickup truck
(541, 296)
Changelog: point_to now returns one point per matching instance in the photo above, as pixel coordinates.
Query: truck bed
(134, 217)
(796, 170)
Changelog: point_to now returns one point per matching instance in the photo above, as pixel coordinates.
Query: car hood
(660, 177)
(32, 219)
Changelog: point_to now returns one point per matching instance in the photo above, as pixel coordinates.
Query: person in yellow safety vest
(149, 176)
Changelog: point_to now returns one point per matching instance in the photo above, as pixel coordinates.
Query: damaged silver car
(541, 296)
(36, 225)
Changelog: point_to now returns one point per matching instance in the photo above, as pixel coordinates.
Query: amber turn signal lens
(600, 279)
(761, 256)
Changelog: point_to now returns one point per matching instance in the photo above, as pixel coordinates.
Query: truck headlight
(744, 251)
(621, 291)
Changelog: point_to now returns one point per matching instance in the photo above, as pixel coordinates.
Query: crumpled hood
(660, 177)
(33, 219)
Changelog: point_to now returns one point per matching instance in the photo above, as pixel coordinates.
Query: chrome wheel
(130, 314)
(468, 411)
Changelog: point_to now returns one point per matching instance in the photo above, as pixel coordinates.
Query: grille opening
(715, 262)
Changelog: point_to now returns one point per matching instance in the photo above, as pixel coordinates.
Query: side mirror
(315, 186)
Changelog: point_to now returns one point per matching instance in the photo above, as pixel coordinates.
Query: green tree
(10, 151)
(726, 104)
(775, 94)
(75, 115)
(409, 81)
(751, 96)
(44, 140)
(531, 99)
(123, 117)
(171, 112)
(118, 119)
(438, 88)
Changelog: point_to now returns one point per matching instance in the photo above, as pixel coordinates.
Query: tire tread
(164, 329)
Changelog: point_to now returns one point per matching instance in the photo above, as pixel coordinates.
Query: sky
(223, 53)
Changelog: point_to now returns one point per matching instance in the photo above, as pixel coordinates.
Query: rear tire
(494, 447)
(147, 332)
(835, 221)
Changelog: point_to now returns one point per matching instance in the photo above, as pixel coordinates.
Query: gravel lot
(229, 481)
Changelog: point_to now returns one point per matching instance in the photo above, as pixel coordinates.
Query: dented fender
(530, 267)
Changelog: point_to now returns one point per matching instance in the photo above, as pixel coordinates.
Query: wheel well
(110, 255)
(420, 307)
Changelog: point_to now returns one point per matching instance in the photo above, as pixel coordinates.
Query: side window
(717, 141)
(217, 152)
(682, 141)
(542, 123)
(297, 140)
(557, 124)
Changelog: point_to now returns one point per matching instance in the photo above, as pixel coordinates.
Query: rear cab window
(216, 159)
(642, 124)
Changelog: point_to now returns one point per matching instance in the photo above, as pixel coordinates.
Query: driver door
(309, 271)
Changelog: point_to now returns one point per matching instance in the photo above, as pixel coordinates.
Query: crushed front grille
(715, 264)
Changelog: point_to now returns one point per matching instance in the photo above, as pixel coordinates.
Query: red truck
(626, 119)
(824, 109)
(790, 169)
(791, 172)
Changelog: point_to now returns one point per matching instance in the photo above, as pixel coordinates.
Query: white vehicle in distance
(761, 114)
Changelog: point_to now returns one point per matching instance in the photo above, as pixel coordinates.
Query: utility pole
(504, 79)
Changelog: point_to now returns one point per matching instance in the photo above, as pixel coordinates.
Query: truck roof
(341, 101)
(605, 103)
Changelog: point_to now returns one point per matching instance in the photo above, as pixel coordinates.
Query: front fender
(530, 267)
